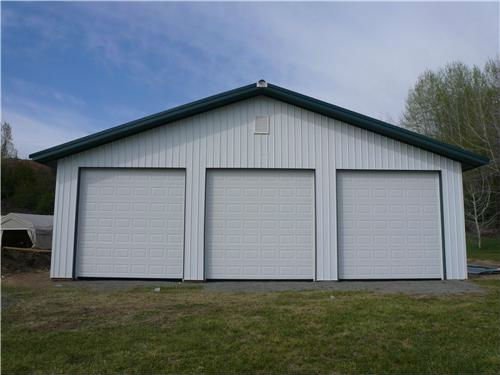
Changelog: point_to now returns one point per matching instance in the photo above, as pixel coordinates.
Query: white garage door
(389, 225)
(130, 223)
(260, 224)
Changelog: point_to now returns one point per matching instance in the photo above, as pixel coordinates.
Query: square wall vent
(262, 125)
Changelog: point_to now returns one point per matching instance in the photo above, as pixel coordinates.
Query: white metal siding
(259, 224)
(389, 225)
(224, 138)
(130, 223)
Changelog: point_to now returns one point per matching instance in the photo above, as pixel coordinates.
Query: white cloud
(361, 56)
(17, 85)
(36, 126)
(32, 134)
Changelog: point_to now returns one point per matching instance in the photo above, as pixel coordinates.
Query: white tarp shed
(38, 227)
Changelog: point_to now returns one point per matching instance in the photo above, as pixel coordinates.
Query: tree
(27, 186)
(461, 105)
(479, 195)
(8, 149)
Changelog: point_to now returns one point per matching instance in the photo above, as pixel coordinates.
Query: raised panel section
(131, 223)
(260, 224)
(389, 225)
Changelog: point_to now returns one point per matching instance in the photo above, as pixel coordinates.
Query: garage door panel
(135, 227)
(260, 224)
(389, 225)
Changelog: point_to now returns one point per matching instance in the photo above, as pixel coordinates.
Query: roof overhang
(468, 159)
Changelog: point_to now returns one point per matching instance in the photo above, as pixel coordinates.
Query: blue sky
(70, 69)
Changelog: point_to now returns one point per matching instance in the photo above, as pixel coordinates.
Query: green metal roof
(468, 159)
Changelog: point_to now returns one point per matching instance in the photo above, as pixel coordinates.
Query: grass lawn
(191, 330)
(490, 250)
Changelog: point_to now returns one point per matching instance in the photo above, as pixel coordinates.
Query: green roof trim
(468, 159)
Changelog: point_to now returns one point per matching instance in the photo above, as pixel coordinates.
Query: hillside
(27, 187)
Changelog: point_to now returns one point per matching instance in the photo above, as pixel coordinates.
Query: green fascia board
(468, 159)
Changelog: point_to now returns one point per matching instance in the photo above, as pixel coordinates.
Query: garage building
(259, 182)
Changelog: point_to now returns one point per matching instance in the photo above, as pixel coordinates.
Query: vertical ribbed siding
(224, 138)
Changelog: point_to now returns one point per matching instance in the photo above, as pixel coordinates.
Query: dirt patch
(39, 279)
(420, 287)
(411, 287)
(486, 263)
(486, 277)
(16, 261)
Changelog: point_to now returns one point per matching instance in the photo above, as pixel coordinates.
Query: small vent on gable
(262, 125)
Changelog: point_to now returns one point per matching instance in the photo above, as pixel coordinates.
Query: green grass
(190, 330)
(490, 249)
